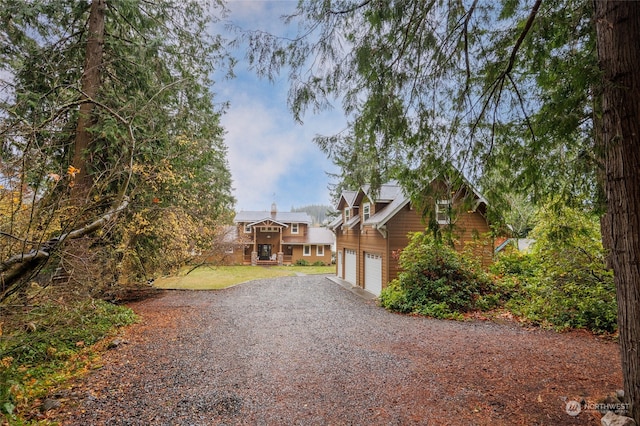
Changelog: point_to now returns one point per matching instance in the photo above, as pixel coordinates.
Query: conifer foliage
(544, 92)
(107, 113)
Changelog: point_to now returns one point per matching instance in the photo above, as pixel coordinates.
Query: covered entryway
(373, 273)
(264, 251)
(350, 262)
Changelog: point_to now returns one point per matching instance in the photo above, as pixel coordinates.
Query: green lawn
(217, 277)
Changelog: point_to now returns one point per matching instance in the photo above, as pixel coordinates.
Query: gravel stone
(305, 351)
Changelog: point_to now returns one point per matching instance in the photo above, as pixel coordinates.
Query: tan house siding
(237, 257)
(272, 240)
(407, 220)
(473, 227)
(387, 234)
(302, 230)
(298, 253)
(349, 239)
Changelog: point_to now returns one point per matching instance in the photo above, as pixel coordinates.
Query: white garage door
(373, 273)
(350, 266)
(339, 262)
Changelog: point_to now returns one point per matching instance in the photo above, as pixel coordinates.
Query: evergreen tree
(108, 102)
(545, 93)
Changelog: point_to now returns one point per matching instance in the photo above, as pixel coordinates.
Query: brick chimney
(274, 210)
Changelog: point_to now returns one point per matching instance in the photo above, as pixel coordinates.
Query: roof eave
(270, 220)
(386, 218)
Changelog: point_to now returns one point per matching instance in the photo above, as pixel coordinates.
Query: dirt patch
(303, 350)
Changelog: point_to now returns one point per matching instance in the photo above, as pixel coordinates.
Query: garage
(373, 273)
(350, 266)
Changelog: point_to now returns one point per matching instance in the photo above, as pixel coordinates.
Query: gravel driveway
(306, 351)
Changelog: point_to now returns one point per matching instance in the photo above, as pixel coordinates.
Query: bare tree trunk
(618, 35)
(90, 85)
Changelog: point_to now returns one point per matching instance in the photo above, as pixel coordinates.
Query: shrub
(436, 281)
(318, 263)
(510, 272)
(302, 262)
(564, 280)
(37, 346)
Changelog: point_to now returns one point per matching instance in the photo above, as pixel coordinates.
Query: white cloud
(271, 157)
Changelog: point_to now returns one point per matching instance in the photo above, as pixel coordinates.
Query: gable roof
(387, 193)
(336, 223)
(320, 236)
(347, 198)
(392, 194)
(352, 222)
(253, 217)
(390, 210)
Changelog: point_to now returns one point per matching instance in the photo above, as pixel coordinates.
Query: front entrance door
(264, 251)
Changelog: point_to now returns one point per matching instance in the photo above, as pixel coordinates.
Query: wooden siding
(347, 239)
(291, 255)
(235, 258)
(302, 230)
(373, 242)
(472, 228)
(469, 227)
(405, 221)
(298, 253)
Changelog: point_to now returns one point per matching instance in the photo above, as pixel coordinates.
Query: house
(228, 248)
(282, 238)
(373, 227)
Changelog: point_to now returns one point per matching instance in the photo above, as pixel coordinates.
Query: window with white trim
(443, 212)
(247, 228)
(366, 211)
(320, 250)
(347, 213)
(269, 229)
(294, 228)
(306, 250)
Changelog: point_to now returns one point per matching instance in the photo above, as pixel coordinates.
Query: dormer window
(294, 228)
(443, 212)
(347, 213)
(366, 211)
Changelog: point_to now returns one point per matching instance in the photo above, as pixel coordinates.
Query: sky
(272, 158)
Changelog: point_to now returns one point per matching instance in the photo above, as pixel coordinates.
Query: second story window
(247, 228)
(347, 213)
(366, 211)
(443, 212)
(294, 228)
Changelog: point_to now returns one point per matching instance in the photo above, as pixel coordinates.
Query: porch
(266, 262)
(286, 260)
